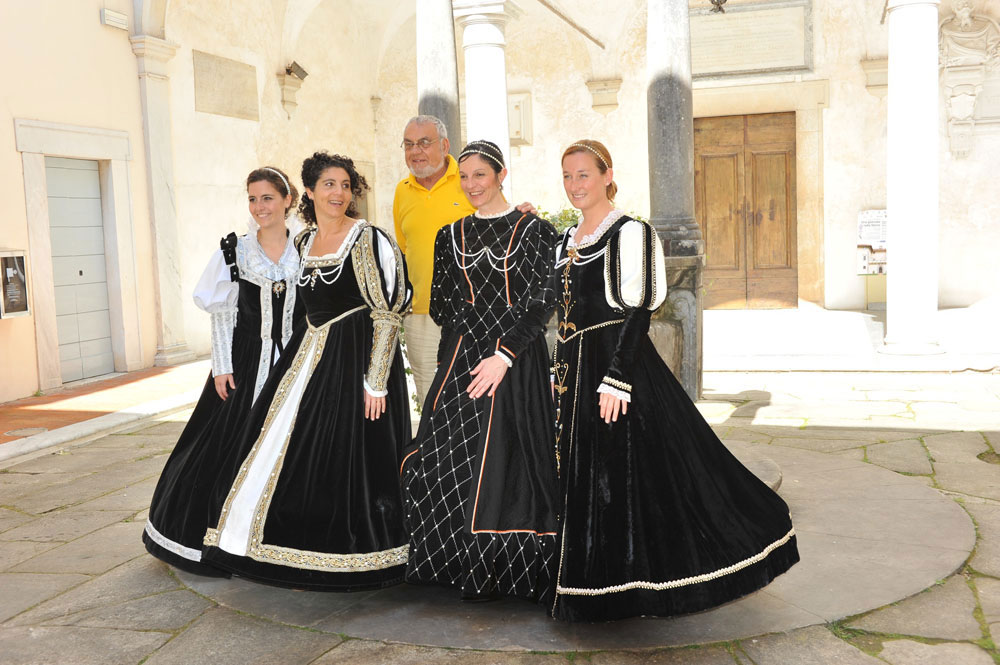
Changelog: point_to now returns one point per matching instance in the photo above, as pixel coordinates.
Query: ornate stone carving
(969, 55)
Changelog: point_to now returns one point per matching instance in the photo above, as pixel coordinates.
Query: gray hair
(429, 120)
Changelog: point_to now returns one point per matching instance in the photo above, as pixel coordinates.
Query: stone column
(153, 54)
(671, 184)
(912, 177)
(437, 68)
(483, 23)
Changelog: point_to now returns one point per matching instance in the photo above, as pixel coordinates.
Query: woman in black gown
(658, 517)
(311, 498)
(480, 482)
(246, 289)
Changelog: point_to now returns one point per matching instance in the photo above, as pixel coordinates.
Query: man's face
(424, 149)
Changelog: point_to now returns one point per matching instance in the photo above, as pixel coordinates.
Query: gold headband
(599, 155)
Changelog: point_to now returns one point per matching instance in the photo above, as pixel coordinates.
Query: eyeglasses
(422, 144)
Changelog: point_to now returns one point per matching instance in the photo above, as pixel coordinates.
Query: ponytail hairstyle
(601, 156)
(279, 180)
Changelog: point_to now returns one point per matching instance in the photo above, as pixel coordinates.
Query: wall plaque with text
(224, 87)
(751, 39)
(13, 284)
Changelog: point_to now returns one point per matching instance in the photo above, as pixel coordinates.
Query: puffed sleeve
(217, 293)
(534, 307)
(447, 299)
(635, 282)
(382, 278)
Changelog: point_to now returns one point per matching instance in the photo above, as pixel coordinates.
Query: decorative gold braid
(387, 322)
(615, 383)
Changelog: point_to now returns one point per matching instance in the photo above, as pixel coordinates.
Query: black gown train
(659, 518)
(253, 309)
(480, 482)
(311, 496)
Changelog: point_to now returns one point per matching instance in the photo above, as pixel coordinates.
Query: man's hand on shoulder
(527, 207)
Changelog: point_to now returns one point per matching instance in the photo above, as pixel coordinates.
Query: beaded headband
(278, 173)
(470, 150)
(596, 152)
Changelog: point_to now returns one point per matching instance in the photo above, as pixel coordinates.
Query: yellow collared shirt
(418, 214)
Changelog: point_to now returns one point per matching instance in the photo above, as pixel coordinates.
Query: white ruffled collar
(257, 260)
(345, 246)
(498, 215)
(601, 229)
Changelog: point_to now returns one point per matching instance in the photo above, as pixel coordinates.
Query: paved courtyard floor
(893, 482)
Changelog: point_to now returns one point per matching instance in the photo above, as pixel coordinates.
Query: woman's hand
(610, 406)
(223, 383)
(374, 406)
(489, 373)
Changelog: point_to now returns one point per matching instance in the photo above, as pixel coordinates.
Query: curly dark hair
(312, 169)
(278, 178)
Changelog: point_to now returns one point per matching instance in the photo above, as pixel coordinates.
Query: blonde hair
(601, 157)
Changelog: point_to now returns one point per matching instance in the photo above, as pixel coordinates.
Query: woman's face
(585, 185)
(267, 205)
(479, 182)
(332, 193)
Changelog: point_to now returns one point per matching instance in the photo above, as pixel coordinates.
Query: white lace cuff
(504, 357)
(374, 393)
(620, 394)
(223, 323)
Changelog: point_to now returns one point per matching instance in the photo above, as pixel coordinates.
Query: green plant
(562, 219)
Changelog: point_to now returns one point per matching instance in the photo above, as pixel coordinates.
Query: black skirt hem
(679, 601)
(299, 578)
(179, 562)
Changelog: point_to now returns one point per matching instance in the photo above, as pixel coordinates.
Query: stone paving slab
(907, 652)
(11, 518)
(815, 444)
(167, 611)
(64, 526)
(942, 612)
(59, 645)
(141, 577)
(77, 459)
(907, 456)
(989, 600)
(131, 498)
(364, 652)
(695, 656)
(14, 552)
(223, 637)
(138, 440)
(89, 487)
(815, 645)
(955, 446)
(95, 553)
(16, 485)
(986, 558)
(24, 590)
(975, 478)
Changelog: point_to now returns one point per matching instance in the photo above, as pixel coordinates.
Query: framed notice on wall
(871, 242)
(13, 284)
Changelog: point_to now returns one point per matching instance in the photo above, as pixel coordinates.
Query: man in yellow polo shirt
(430, 198)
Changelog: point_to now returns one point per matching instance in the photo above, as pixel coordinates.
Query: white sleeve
(633, 262)
(387, 262)
(215, 290)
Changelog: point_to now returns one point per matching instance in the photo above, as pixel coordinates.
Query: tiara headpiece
(596, 152)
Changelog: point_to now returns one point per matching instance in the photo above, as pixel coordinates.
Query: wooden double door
(745, 203)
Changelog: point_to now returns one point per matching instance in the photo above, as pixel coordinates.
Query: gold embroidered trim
(563, 340)
(387, 319)
(687, 581)
(332, 562)
(615, 383)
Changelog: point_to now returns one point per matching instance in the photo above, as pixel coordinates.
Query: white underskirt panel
(234, 537)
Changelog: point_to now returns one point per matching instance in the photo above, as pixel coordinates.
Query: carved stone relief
(970, 61)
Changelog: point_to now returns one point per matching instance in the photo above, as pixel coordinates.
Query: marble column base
(176, 354)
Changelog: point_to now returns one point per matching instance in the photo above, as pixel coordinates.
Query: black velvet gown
(480, 482)
(248, 336)
(311, 496)
(659, 518)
